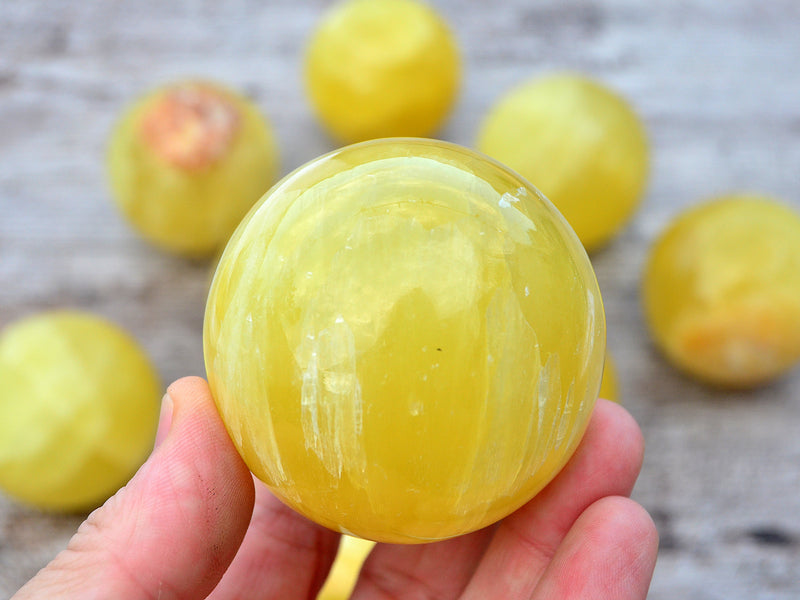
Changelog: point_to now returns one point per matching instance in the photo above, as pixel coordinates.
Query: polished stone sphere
(405, 340)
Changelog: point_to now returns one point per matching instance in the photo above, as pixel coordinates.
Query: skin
(182, 528)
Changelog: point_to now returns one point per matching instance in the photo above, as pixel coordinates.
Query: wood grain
(716, 82)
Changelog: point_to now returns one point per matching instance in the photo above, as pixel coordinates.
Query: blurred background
(717, 85)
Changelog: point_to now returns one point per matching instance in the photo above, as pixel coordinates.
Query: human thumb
(174, 529)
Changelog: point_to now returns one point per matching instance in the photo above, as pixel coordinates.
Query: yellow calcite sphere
(722, 290)
(405, 340)
(346, 568)
(580, 143)
(609, 387)
(187, 161)
(381, 68)
(79, 404)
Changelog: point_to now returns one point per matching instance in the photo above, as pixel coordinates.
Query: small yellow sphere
(722, 291)
(346, 568)
(405, 340)
(609, 387)
(79, 404)
(577, 141)
(187, 161)
(381, 68)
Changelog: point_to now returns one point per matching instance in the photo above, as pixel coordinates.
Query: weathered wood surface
(718, 84)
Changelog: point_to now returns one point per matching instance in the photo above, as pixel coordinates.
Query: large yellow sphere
(79, 404)
(722, 290)
(580, 143)
(381, 68)
(405, 340)
(186, 163)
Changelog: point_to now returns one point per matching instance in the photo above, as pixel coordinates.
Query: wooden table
(717, 83)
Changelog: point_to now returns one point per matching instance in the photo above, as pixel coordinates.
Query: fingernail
(164, 420)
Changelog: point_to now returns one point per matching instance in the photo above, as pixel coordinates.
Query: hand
(182, 528)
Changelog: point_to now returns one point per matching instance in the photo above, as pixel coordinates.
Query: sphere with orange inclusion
(187, 161)
(405, 340)
(722, 290)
